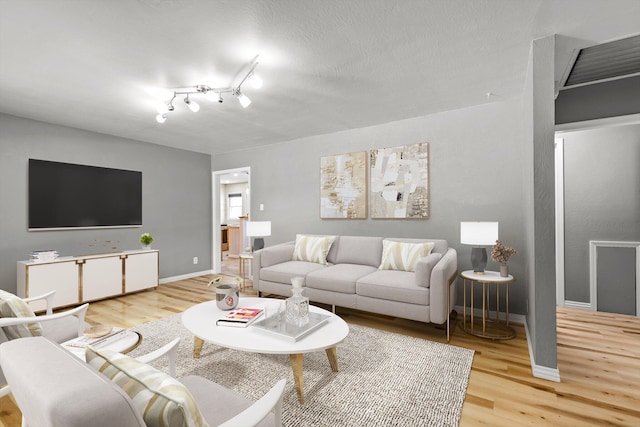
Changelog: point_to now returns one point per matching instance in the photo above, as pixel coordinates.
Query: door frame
(559, 196)
(216, 239)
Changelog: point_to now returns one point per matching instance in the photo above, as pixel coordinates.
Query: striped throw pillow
(402, 255)
(13, 306)
(160, 399)
(312, 248)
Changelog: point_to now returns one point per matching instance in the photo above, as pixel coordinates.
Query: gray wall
(597, 101)
(176, 189)
(602, 197)
(539, 192)
(475, 174)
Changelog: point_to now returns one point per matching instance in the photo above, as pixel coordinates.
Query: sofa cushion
(161, 399)
(358, 250)
(62, 329)
(439, 246)
(284, 272)
(227, 403)
(392, 285)
(312, 248)
(12, 306)
(424, 266)
(402, 255)
(338, 278)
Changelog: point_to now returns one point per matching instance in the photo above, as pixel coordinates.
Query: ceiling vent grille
(607, 61)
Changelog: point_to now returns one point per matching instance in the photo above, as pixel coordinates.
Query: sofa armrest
(441, 275)
(48, 297)
(424, 267)
(276, 254)
(170, 350)
(271, 255)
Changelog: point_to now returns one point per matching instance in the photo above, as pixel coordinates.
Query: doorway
(597, 226)
(231, 199)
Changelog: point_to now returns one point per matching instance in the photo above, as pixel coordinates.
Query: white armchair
(59, 327)
(96, 398)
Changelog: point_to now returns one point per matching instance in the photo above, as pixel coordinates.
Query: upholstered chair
(17, 320)
(112, 389)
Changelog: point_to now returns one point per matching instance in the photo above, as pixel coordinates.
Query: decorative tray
(277, 325)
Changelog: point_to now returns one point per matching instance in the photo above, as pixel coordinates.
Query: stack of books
(240, 317)
(112, 335)
(48, 255)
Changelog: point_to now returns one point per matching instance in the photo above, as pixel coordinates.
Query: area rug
(384, 379)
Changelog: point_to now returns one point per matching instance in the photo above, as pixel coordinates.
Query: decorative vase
(504, 270)
(227, 296)
(146, 247)
(297, 311)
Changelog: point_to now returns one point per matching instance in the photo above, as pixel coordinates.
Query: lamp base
(478, 259)
(258, 243)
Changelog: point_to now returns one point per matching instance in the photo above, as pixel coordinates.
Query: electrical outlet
(261, 206)
(195, 259)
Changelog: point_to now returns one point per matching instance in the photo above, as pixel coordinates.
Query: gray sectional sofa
(351, 278)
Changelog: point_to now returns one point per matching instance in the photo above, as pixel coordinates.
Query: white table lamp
(478, 234)
(258, 230)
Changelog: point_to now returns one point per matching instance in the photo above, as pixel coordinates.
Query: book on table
(240, 317)
(89, 339)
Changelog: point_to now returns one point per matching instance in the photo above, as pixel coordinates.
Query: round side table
(485, 326)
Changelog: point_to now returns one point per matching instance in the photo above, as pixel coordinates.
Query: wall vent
(607, 61)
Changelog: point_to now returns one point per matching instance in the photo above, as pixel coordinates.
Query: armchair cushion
(161, 399)
(402, 255)
(12, 306)
(312, 248)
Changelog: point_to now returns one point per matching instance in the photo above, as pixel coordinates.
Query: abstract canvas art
(343, 186)
(400, 182)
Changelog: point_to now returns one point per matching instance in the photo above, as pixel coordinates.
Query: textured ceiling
(327, 65)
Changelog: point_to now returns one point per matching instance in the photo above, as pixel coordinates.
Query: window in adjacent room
(235, 205)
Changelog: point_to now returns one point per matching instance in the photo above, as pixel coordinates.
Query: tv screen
(66, 195)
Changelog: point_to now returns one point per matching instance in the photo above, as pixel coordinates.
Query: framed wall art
(400, 182)
(343, 186)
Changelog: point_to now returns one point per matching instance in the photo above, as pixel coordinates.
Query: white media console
(88, 278)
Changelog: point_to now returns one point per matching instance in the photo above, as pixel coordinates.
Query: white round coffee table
(200, 320)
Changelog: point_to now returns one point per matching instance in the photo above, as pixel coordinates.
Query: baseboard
(165, 280)
(544, 372)
(577, 304)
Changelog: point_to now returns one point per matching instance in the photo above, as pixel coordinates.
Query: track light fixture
(211, 93)
(242, 98)
(193, 105)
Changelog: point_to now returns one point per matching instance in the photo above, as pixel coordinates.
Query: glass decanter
(297, 305)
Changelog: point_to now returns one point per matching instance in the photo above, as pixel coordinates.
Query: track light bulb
(161, 118)
(244, 100)
(256, 81)
(162, 107)
(193, 106)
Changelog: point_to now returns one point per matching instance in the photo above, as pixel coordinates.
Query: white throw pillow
(402, 255)
(12, 306)
(159, 398)
(312, 248)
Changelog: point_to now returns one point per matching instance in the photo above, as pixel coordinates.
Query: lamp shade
(478, 233)
(258, 228)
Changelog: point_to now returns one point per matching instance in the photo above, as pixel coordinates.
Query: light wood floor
(599, 361)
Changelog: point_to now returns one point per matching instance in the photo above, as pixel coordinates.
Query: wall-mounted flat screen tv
(66, 195)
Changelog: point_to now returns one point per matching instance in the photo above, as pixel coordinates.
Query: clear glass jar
(297, 312)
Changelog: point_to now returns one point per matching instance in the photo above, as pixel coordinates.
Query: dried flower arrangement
(501, 253)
